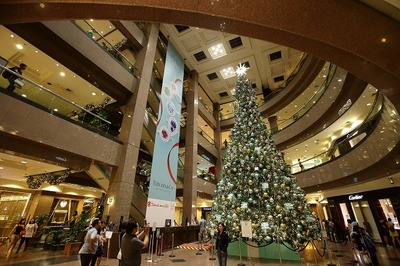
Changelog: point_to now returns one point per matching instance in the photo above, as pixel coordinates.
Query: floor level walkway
(183, 257)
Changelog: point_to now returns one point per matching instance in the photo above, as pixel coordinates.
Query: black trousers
(86, 259)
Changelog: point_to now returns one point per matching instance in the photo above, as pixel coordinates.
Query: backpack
(6, 74)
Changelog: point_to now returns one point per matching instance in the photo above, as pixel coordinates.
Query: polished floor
(336, 255)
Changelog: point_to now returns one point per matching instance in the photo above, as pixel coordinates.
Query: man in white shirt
(91, 242)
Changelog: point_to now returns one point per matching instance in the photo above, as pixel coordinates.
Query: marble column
(123, 178)
(218, 140)
(273, 123)
(191, 140)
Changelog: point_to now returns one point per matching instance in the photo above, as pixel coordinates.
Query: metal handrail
(370, 117)
(103, 38)
(54, 94)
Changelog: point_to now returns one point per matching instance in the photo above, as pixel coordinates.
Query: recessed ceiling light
(23, 95)
(57, 64)
(24, 162)
(55, 110)
(12, 35)
(227, 72)
(62, 74)
(383, 40)
(91, 20)
(19, 46)
(217, 51)
(36, 51)
(93, 93)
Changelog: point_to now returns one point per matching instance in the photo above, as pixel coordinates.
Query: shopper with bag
(12, 79)
(30, 231)
(393, 233)
(16, 234)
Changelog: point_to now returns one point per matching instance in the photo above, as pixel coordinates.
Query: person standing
(12, 78)
(30, 231)
(202, 228)
(132, 245)
(101, 235)
(393, 233)
(90, 245)
(16, 234)
(222, 244)
(384, 231)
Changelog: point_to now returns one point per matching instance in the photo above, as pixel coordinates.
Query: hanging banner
(162, 189)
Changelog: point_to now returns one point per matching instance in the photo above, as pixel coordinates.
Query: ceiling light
(57, 64)
(227, 72)
(36, 51)
(62, 74)
(217, 51)
(1, 168)
(55, 110)
(19, 46)
(24, 162)
(23, 95)
(383, 40)
(12, 35)
(93, 93)
(63, 203)
(91, 20)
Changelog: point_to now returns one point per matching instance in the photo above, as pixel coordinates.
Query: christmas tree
(256, 184)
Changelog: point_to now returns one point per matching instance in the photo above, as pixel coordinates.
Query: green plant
(80, 224)
(41, 219)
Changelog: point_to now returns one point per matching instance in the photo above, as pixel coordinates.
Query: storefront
(13, 205)
(367, 208)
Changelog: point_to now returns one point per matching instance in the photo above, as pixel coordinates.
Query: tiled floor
(339, 255)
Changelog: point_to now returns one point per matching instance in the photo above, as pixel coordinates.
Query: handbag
(19, 83)
(22, 233)
(365, 259)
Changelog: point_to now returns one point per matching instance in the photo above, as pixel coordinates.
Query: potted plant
(73, 237)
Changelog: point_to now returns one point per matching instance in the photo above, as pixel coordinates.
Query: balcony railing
(36, 94)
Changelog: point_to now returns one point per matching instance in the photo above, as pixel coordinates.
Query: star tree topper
(241, 69)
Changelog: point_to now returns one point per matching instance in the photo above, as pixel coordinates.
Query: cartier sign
(356, 197)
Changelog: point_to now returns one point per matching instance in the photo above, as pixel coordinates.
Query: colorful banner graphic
(162, 190)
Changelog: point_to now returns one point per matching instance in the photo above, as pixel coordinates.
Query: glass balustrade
(206, 136)
(94, 118)
(117, 49)
(352, 139)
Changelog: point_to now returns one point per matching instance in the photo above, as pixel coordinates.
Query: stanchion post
(315, 256)
(329, 254)
(152, 243)
(108, 237)
(212, 247)
(279, 251)
(161, 244)
(172, 246)
(240, 252)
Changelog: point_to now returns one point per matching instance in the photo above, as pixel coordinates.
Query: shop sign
(356, 197)
(88, 201)
(207, 208)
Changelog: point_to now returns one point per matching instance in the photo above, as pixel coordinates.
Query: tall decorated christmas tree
(256, 184)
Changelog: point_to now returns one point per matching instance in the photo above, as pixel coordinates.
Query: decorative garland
(35, 181)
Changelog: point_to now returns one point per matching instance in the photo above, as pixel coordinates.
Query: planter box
(72, 248)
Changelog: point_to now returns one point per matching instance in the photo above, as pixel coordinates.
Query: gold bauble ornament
(283, 226)
(250, 182)
(268, 166)
(237, 229)
(300, 208)
(283, 185)
(223, 198)
(238, 209)
(278, 208)
(265, 195)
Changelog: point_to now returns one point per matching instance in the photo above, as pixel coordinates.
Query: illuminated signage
(356, 197)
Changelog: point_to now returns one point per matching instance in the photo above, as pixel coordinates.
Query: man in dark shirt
(132, 245)
(12, 78)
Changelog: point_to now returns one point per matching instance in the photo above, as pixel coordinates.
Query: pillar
(218, 140)
(273, 123)
(123, 178)
(189, 189)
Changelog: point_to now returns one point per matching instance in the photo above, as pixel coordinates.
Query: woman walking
(16, 234)
(30, 231)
